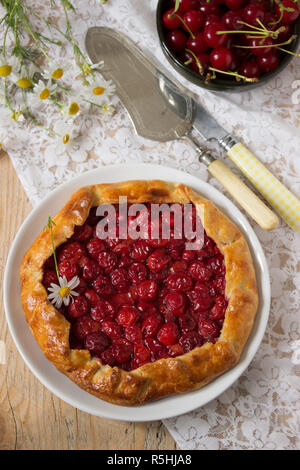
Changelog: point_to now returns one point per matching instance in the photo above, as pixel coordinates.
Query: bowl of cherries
(229, 44)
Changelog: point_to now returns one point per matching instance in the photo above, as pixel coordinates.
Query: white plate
(61, 385)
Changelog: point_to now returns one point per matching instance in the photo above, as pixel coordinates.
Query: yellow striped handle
(283, 201)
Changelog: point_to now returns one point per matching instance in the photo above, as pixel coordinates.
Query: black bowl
(219, 84)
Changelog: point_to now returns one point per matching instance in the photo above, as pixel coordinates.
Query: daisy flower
(42, 92)
(63, 292)
(8, 65)
(24, 78)
(99, 91)
(65, 136)
(55, 70)
(98, 66)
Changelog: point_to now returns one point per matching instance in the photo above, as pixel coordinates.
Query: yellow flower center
(15, 116)
(64, 291)
(5, 70)
(45, 94)
(58, 73)
(66, 138)
(99, 90)
(73, 109)
(24, 83)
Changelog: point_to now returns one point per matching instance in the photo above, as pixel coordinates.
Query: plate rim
(233, 373)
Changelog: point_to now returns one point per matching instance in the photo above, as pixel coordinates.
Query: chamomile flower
(24, 78)
(55, 70)
(62, 293)
(98, 66)
(41, 93)
(99, 91)
(8, 65)
(65, 136)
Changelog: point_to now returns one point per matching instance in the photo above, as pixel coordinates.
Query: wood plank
(31, 417)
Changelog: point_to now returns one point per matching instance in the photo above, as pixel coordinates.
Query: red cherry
(253, 12)
(91, 297)
(176, 301)
(151, 325)
(231, 20)
(190, 340)
(103, 309)
(122, 350)
(257, 43)
(194, 20)
(102, 286)
(268, 63)
(200, 298)
(197, 44)
(176, 40)
(208, 329)
(141, 249)
(209, 7)
(170, 21)
(180, 282)
(137, 272)
(186, 5)
(84, 326)
(158, 260)
(250, 69)
(68, 269)
(94, 247)
(289, 11)
(111, 329)
(220, 58)
(148, 290)
(72, 251)
(141, 355)
(218, 310)
(107, 260)
(133, 334)
(200, 271)
(168, 334)
(234, 4)
(286, 34)
(96, 343)
(211, 36)
(49, 277)
(119, 279)
(127, 315)
(212, 18)
(78, 307)
(91, 270)
(83, 232)
(204, 61)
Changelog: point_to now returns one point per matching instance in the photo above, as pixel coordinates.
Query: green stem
(49, 225)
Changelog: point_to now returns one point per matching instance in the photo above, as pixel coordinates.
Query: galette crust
(166, 376)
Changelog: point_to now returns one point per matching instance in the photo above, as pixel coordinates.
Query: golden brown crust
(166, 376)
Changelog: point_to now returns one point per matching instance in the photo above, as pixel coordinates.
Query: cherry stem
(235, 74)
(176, 5)
(271, 45)
(50, 227)
(197, 60)
(184, 23)
(288, 52)
(188, 62)
(262, 33)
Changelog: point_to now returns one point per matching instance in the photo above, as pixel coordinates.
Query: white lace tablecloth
(261, 410)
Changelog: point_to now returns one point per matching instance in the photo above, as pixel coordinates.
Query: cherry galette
(143, 316)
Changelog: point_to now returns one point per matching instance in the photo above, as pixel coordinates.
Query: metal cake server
(161, 109)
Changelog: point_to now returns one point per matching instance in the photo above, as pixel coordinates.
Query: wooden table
(31, 417)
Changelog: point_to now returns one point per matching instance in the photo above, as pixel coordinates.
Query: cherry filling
(140, 300)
